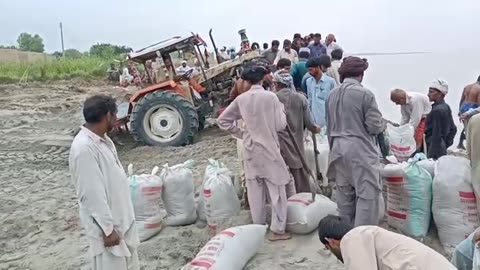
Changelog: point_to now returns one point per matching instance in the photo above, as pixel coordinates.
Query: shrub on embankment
(58, 69)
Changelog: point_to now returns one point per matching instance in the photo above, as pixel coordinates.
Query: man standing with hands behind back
(265, 170)
(106, 211)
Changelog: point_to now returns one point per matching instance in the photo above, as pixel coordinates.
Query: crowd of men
(311, 88)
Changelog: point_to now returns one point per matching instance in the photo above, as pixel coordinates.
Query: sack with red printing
(454, 203)
(402, 141)
(303, 215)
(219, 194)
(230, 250)
(146, 195)
(409, 198)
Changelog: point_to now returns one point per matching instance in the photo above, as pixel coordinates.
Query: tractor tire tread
(187, 107)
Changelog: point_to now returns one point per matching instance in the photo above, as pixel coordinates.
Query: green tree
(106, 50)
(7, 47)
(73, 53)
(27, 42)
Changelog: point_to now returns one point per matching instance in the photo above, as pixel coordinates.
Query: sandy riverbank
(39, 226)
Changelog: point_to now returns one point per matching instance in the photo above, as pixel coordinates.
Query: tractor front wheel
(164, 118)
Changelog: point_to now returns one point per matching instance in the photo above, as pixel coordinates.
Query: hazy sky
(360, 25)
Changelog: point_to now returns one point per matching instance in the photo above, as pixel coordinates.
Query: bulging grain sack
(409, 198)
(146, 195)
(219, 194)
(429, 165)
(303, 215)
(178, 194)
(454, 204)
(230, 250)
(402, 141)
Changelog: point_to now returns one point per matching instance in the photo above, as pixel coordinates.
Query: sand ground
(39, 225)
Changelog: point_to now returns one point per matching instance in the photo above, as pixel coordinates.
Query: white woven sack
(146, 195)
(454, 203)
(178, 194)
(230, 250)
(219, 194)
(303, 215)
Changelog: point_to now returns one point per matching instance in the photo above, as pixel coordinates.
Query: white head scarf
(440, 85)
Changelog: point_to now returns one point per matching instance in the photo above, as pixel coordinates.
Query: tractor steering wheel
(186, 75)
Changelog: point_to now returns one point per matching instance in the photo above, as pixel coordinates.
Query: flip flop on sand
(279, 237)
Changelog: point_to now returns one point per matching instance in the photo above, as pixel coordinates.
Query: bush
(58, 69)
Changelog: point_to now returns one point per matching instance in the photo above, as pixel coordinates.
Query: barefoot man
(265, 170)
(470, 100)
(106, 211)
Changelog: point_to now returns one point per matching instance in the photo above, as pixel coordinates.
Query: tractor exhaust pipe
(245, 42)
(214, 46)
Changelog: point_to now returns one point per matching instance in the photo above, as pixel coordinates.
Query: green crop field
(87, 67)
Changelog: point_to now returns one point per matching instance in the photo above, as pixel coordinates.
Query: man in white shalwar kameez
(106, 210)
(374, 248)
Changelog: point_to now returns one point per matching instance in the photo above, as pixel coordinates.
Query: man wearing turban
(353, 123)
(441, 129)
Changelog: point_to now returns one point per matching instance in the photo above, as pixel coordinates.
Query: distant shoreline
(385, 53)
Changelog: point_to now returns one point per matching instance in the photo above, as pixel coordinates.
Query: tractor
(174, 107)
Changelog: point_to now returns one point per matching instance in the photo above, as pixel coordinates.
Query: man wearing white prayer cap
(441, 129)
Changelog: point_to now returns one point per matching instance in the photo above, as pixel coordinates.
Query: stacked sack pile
(418, 187)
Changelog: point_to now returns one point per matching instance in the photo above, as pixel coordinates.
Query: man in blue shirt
(317, 49)
(319, 87)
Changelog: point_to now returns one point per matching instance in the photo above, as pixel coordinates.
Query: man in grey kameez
(298, 117)
(353, 122)
(265, 170)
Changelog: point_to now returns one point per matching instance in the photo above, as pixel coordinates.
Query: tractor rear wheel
(164, 118)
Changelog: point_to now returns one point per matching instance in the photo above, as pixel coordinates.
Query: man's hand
(317, 129)
(464, 116)
(112, 240)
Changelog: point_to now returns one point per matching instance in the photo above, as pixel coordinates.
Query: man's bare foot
(279, 237)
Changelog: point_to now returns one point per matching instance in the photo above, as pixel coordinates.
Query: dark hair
(284, 62)
(303, 54)
(337, 54)
(287, 42)
(478, 80)
(265, 46)
(254, 74)
(255, 44)
(311, 35)
(323, 60)
(333, 227)
(97, 107)
(297, 35)
(318, 35)
(275, 43)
